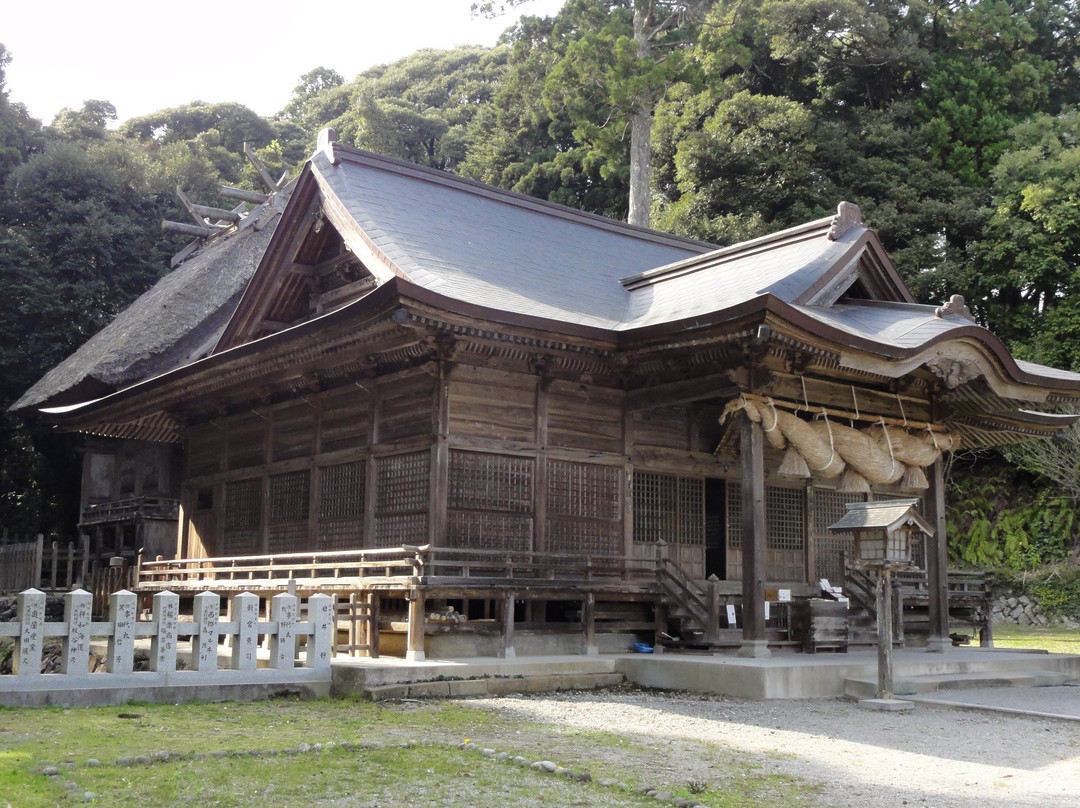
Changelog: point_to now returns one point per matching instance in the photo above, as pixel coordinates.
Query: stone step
(932, 683)
(492, 686)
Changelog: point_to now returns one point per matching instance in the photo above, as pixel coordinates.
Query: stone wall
(1024, 610)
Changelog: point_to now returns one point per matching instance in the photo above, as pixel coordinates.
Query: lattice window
(669, 508)
(488, 531)
(784, 511)
(341, 490)
(734, 514)
(583, 489)
(584, 511)
(402, 483)
(290, 494)
(490, 482)
(243, 505)
(784, 516)
(401, 499)
(831, 548)
(654, 507)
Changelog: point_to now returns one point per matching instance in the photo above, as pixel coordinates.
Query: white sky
(149, 55)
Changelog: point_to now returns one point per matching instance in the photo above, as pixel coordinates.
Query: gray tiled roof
(494, 248)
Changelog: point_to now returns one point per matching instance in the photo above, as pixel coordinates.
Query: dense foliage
(954, 124)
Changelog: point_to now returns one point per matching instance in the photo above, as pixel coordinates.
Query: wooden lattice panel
(830, 549)
(669, 508)
(290, 496)
(488, 531)
(341, 506)
(402, 483)
(785, 543)
(398, 529)
(341, 490)
(242, 517)
(584, 508)
(490, 482)
(288, 538)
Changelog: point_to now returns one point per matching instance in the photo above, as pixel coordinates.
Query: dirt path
(930, 758)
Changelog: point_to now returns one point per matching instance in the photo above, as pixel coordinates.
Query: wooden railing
(121, 509)
(397, 567)
(330, 569)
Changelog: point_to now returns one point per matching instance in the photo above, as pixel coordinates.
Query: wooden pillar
(883, 597)
(752, 456)
(588, 617)
(508, 651)
(937, 562)
(414, 647)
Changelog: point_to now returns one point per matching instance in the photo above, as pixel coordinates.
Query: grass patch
(1055, 639)
(369, 754)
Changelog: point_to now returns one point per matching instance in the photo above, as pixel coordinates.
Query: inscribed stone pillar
(283, 609)
(120, 657)
(204, 649)
(245, 646)
(77, 607)
(323, 618)
(163, 646)
(30, 612)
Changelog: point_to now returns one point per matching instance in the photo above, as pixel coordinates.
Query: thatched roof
(174, 323)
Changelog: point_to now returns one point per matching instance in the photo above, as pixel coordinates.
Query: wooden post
(712, 592)
(77, 607)
(373, 624)
(937, 562)
(39, 550)
(122, 614)
(752, 455)
(508, 651)
(414, 647)
(588, 615)
(166, 611)
(885, 634)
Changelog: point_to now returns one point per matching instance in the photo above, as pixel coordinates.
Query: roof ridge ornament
(847, 216)
(954, 306)
(327, 138)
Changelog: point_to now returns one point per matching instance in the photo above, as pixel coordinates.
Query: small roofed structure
(885, 531)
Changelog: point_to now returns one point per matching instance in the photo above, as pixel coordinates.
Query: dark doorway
(715, 516)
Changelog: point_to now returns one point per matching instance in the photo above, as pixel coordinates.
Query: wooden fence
(167, 629)
(41, 564)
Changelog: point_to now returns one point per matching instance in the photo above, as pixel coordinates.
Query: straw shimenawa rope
(879, 455)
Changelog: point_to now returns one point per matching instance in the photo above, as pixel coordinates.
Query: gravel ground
(928, 758)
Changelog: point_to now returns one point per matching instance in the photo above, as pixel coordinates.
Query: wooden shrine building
(435, 393)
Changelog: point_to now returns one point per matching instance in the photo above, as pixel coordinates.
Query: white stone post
(323, 619)
(204, 651)
(30, 606)
(245, 646)
(163, 646)
(77, 607)
(283, 639)
(122, 614)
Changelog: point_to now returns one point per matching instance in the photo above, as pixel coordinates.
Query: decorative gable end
(308, 270)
